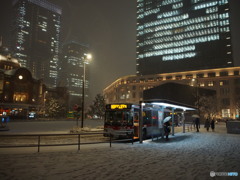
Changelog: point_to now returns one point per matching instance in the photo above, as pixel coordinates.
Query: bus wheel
(144, 134)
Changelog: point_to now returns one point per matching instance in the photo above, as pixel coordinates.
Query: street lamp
(86, 59)
(44, 101)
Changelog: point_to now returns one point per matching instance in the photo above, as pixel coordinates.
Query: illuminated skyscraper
(36, 36)
(181, 35)
(72, 72)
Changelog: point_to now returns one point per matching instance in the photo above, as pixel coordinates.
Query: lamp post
(86, 58)
(44, 101)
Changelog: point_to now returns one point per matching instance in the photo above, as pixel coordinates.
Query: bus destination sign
(119, 106)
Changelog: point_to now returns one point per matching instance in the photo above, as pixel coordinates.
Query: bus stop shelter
(160, 105)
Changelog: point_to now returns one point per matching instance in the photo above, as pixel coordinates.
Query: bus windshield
(119, 118)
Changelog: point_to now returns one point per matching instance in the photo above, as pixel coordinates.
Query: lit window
(202, 84)
(210, 83)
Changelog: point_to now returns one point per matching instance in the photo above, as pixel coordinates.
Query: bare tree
(55, 107)
(208, 106)
(98, 107)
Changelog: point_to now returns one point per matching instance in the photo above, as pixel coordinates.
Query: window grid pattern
(173, 34)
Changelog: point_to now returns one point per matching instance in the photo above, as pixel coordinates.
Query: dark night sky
(108, 26)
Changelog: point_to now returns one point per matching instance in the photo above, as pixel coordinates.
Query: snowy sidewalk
(188, 155)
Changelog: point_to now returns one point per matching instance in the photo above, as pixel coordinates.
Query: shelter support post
(141, 123)
(183, 120)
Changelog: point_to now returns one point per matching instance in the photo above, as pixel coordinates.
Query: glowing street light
(86, 59)
(89, 56)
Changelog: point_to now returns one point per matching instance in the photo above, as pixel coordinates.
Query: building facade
(20, 93)
(36, 38)
(22, 96)
(225, 81)
(73, 60)
(184, 35)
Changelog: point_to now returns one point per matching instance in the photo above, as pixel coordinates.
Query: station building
(225, 81)
(20, 93)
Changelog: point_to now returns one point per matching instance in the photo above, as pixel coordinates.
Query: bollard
(78, 142)
(110, 140)
(38, 143)
(132, 138)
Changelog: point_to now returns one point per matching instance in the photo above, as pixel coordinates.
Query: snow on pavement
(188, 155)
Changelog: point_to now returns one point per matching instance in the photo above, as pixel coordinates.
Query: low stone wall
(233, 127)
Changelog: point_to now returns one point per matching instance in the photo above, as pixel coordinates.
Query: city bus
(122, 121)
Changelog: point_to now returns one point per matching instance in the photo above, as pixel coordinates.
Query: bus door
(154, 124)
(136, 123)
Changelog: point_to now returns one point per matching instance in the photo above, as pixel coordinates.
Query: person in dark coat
(166, 129)
(197, 123)
(194, 124)
(212, 124)
(226, 122)
(207, 124)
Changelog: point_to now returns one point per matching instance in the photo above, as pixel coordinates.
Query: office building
(36, 38)
(189, 42)
(184, 35)
(72, 71)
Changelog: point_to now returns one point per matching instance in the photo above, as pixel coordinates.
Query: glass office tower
(71, 70)
(36, 36)
(181, 35)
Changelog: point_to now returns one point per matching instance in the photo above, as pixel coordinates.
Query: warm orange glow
(20, 97)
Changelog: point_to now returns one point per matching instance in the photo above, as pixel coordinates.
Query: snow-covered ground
(36, 127)
(189, 155)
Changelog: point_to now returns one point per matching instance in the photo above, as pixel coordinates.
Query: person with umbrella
(166, 126)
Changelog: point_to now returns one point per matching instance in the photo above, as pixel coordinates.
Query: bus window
(155, 118)
(118, 118)
(136, 117)
(147, 117)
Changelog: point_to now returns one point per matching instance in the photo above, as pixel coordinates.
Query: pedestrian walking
(226, 122)
(194, 124)
(197, 123)
(207, 124)
(212, 124)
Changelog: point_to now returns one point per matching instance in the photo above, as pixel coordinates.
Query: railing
(38, 144)
(189, 127)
